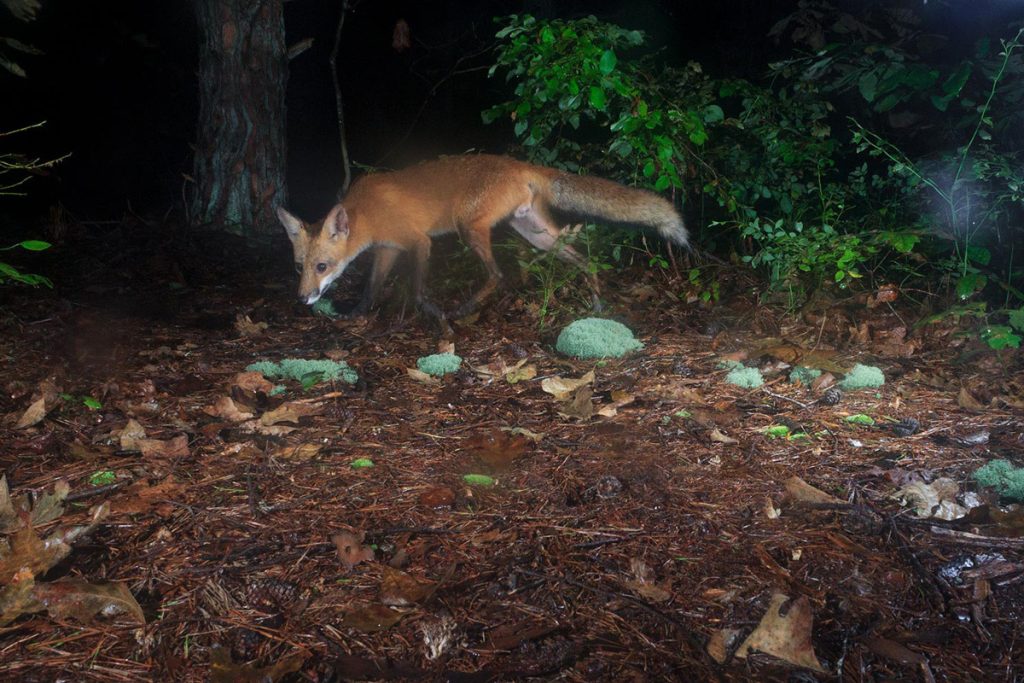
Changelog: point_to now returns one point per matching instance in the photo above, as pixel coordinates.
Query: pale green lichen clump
(597, 338)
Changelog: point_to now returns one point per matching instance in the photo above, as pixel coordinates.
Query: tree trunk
(240, 153)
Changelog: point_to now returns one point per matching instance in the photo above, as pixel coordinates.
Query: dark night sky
(117, 84)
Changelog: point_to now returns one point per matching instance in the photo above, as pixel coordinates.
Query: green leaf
(860, 419)
(713, 114)
(979, 255)
(777, 432)
(867, 85)
(1017, 319)
(607, 63)
(91, 403)
(102, 478)
(956, 81)
(662, 183)
(969, 284)
(479, 480)
(361, 463)
(34, 245)
(840, 275)
(311, 378)
(598, 100)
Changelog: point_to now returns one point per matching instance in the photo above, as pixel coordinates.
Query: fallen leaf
(351, 550)
(253, 381)
(578, 406)
(937, 499)
(224, 670)
(561, 388)
(496, 449)
(719, 437)
(141, 498)
(965, 399)
(33, 415)
(83, 601)
(16, 598)
(226, 408)
(786, 636)
(399, 589)
(131, 435)
(421, 376)
(436, 497)
(519, 431)
(27, 551)
(799, 491)
(720, 643)
(521, 373)
(302, 452)
(176, 447)
(371, 618)
(247, 328)
(292, 412)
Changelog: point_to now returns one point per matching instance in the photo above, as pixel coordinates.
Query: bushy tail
(606, 200)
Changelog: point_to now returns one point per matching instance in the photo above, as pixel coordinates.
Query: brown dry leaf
(421, 376)
(965, 399)
(247, 328)
(721, 642)
(371, 618)
(253, 381)
(823, 381)
(510, 636)
(141, 498)
(302, 452)
(644, 584)
(788, 636)
(16, 599)
(351, 550)
(717, 436)
(291, 412)
(562, 388)
(787, 353)
(223, 670)
(28, 551)
(226, 408)
(437, 497)
(578, 406)
(799, 491)
(176, 447)
(937, 499)
(47, 507)
(398, 589)
(131, 435)
(33, 415)
(497, 449)
(83, 601)
(521, 372)
(445, 346)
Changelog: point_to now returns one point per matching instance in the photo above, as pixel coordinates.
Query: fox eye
(321, 267)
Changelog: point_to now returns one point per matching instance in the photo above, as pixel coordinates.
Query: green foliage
(9, 273)
(308, 372)
(597, 338)
(748, 378)
(862, 377)
(1002, 476)
(861, 419)
(439, 364)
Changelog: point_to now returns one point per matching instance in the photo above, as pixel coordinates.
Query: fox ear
(292, 225)
(336, 223)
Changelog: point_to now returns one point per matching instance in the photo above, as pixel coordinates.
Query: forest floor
(171, 519)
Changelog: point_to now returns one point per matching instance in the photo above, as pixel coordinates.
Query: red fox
(401, 211)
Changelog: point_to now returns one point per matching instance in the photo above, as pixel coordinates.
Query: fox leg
(383, 261)
(421, 258)
(478, 236)
(539, 230)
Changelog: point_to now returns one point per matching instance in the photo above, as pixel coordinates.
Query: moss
(1002, 476)
(804, 376)
(862, 377)
(748, 378)
(298, 368)
(439, 364)
(325, 307)
(596, 338)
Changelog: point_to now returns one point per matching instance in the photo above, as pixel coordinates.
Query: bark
(239, 167)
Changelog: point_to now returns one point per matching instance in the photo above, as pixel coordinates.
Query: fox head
(321, 250)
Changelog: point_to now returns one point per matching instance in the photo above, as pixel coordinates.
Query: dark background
(117, 88)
